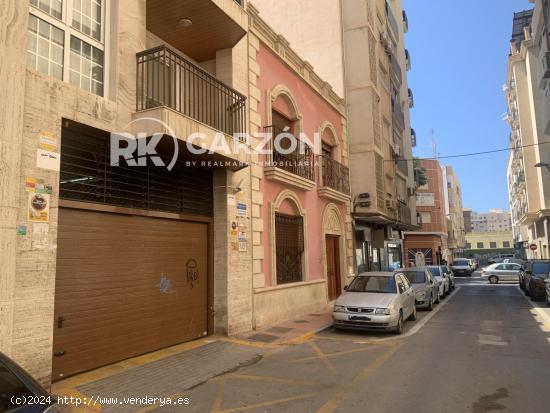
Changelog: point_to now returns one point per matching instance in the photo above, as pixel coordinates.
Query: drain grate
(264, 338)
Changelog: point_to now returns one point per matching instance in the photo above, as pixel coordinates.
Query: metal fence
(165, 78)
(335, 175)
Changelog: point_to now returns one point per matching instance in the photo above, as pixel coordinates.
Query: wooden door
(333, 267)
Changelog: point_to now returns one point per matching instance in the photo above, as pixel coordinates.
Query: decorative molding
(288, 178)
(271, 97)
(278, 44)
(333, 195)
(333, 224)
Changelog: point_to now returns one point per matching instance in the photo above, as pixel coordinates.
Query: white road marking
(491, 340)
(418, 325)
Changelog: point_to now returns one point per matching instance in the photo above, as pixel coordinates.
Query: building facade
(455, 219)
(489, 243)
(429, 245)
(467, 216)
(528, 98)
(495, 220)
(369, 38)
(136, 212)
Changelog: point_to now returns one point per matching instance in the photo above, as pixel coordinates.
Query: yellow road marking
(270, 379)
(250, 343)
(338, 353)
(267, 404)
(346, 389)
(217, 404)
(322, 356)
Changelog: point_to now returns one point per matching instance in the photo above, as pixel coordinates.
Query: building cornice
(281, 46)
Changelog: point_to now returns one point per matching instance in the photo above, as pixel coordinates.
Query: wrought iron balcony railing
(298, 161)
(404, 212)
(165, 78)
(335, 175)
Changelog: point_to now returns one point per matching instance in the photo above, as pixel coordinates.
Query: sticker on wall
(22, 230)
(165, 285)
(30, 184)
(243, 241)
(231, 200)
(39, 207)
(241, 209)
(192, 272)
(48, 160)
(47, 141)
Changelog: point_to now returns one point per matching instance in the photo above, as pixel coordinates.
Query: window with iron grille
(88, 176)
(289, 240)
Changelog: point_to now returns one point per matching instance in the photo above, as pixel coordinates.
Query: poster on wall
(39, 207)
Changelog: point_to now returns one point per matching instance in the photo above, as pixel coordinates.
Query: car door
(433, 283)
(510, 273)
(499, 272)
(408, 296)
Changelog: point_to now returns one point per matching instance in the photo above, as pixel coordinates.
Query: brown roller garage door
(126, 285)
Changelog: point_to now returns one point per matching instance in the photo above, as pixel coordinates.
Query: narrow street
(485, 348)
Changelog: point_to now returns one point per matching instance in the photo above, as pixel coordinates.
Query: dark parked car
(532, 276)
(20, 393)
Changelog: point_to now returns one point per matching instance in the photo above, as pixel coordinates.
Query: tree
(419, 173)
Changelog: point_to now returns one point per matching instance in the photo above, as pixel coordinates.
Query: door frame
(337, 261)
(333, 225)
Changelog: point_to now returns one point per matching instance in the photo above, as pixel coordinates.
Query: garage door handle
(60, 320)
(59, 353)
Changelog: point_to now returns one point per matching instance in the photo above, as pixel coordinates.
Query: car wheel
(399, 328)
(413, 315)
(493, 279)
(431, 305)
(527, 292)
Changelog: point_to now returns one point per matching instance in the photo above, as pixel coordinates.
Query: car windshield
(541, 268)
(461, 262)
(415, 277)
(436, 271)
(372, 284)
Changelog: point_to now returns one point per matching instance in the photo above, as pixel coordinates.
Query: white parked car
(461, 266)
(442, 278)
(501, 272)
(375, 300)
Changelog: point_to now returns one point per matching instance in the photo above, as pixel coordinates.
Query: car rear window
(436, 271)
(371, 284)
(10, 388)
(541, 268)
(415, 277)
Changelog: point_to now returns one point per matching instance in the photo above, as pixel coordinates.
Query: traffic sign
(533, 247)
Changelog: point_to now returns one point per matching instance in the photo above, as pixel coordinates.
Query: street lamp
(543, 165)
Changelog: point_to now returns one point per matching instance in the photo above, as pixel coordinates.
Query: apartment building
(528, 98)
(493, 221)
(467, 216)
(455, 219)
(430, 245)
(488, 243)
(369, 38)
(107, 252)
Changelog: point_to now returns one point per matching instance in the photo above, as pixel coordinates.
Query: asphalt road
(486, 349)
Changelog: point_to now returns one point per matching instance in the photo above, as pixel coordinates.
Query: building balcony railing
(299, 162)
(397, 114)
(404, 212)
(392, 21)
(395, 70)
(167, 79)
(335, 175)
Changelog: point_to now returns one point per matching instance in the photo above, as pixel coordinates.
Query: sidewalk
(292, 331)
(175, 370)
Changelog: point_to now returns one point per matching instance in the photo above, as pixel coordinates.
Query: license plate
(358, 318)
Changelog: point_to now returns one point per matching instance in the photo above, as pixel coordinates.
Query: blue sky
(459, 53)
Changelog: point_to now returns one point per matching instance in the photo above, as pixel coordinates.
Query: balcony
(395, 70)
(335, 183)
(411, 98)
(174, 92)
(397, 114)
(392, 21)
(405, 22)
(292, 166)
(413, 138)
(408, 59)
(199, 28)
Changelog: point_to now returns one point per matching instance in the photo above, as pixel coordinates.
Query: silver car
(443, 279)
(506, 272)
(375, 300)
(424, 285)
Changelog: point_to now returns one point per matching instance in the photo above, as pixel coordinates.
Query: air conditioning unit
(546, 65)
(386, 42)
